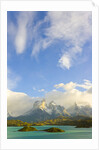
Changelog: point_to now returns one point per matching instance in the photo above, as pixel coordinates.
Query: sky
(49, 55)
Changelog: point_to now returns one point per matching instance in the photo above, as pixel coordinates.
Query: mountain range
(42, 111)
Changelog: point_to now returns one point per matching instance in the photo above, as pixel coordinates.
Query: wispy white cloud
(40, 42)
(59, 85)
(87, 85)
(41, 90)
(54, 90)
(12, 79)
(73, 28)
(71, 85)
(37, 47)
(24, 22)
(34, 88)
(65, 61)
(21, 32)
(11, 29)
(70, 26)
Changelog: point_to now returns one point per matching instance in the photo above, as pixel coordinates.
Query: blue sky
(46, 49)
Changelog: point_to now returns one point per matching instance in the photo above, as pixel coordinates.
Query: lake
(70, 133)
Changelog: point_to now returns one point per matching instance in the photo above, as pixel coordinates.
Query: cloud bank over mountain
(19, 103)
(72, 94)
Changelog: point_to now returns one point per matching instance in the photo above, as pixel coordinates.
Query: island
(26, 129)
(54, 130)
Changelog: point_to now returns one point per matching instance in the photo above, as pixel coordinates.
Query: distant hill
(76, 110)
(77, 121)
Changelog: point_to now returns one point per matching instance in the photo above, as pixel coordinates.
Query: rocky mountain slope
(42, 111)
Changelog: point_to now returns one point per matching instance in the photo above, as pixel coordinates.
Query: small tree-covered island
(27, 129)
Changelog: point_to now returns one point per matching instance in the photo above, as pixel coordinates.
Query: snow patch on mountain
(39, 105)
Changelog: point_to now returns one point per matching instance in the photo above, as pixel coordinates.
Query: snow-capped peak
(51, 108)
(40, 104)
(52, 103)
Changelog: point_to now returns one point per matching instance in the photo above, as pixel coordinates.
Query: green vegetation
(84, 124)
(57, 121)
(25, 129)
(54, 130)
(17, 123)
(38, 124)
(78, 121)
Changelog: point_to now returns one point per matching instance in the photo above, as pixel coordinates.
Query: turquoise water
(70, 133)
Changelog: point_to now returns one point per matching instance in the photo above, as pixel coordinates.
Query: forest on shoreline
(78, 122)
